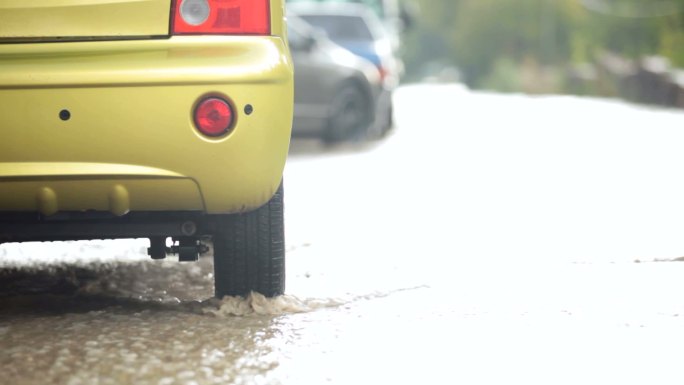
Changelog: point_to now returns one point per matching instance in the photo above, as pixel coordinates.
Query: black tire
(249, 251)
(350, 116)
(390, 119)
(383, 124)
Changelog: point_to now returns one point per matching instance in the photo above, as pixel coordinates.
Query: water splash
(258, 304)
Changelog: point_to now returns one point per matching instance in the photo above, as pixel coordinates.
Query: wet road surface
(497, 239)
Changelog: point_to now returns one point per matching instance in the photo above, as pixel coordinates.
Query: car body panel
(175, 61)
(36, 20)
(115, 194)
(130, 125)
(83, 18)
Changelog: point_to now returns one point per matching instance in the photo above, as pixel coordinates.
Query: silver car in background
(357, 28)
(397, 16)
(335, 90)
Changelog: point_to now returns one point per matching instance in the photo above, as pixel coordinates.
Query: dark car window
(341, 27)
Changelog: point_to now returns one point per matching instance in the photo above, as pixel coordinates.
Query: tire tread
(249, 251)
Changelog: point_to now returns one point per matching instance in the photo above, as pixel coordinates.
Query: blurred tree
(672, 36)
(475, 35)
(427, 41)
(517, 30)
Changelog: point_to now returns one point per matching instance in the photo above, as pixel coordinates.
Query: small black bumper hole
(65, 115)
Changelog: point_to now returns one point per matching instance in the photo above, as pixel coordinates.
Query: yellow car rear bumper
(129, 142)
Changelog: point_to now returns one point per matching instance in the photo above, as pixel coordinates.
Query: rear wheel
(350, 115)
(249, 251)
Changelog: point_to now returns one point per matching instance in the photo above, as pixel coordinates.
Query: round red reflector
(213, 117)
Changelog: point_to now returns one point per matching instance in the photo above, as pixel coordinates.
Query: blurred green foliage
(490, 40)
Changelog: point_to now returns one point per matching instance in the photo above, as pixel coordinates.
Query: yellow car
(149, 119)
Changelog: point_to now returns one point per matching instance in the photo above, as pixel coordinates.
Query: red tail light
(221, 17)
(214, 117)
(384, 73)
